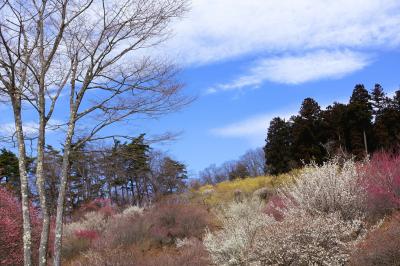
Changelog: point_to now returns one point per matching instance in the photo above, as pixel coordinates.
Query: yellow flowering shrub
(224, 192)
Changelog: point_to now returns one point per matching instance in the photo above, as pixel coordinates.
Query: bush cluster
(330, 215)
(381, 180)
(382, 245)
(135, 233)
(11, 251)
(223, 192)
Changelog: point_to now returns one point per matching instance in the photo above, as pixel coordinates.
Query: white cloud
(298, 69)
(30, 128)
(217, 30)
(253, 129)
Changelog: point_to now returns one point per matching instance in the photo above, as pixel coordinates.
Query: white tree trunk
(61, 193)
(40, 183)
(22, 163)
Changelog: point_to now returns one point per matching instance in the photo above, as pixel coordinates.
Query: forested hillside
(369, 122)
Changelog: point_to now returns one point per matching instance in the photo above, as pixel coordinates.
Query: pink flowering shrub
(11, 244)
(275, 207)
(171, 221)
(160, 225)
(87, 234)
(104, 206)
(381, 180)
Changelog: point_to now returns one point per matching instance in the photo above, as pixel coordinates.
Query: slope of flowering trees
(332, 214)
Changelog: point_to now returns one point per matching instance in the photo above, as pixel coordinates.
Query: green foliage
(369, 122)
(9, 171)
(359, 119)
(278, 154)
(173, 175)
(306, 134)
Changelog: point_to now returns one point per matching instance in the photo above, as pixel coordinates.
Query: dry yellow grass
(224, 192)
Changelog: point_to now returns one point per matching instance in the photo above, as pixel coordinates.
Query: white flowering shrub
(242, 223)
(250, 237)
(330, 188)
(315, 221)
(304, 239)
(93, 221)
(132, 211)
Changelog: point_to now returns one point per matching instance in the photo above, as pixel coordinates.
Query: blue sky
(222, 126)
(249, 61)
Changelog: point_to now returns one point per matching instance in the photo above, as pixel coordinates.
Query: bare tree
(254, 160)
(213, 174)
(250, 164)
(95, 52)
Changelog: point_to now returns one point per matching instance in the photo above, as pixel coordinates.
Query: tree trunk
(365, 143)
(44, 237)
(40, 182)
(61, 193)
(116, 194)
(22, 164)
(133, 192)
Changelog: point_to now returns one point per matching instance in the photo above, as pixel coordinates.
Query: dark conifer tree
(136, 157)
(387, 125)
(378, 99)
(335, 128)
(9, 171)
(396, 100)
(307, 134)
(360, 122)
(173, 175)
(278, 154)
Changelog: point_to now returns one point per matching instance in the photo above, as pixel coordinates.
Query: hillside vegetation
(339, 213)
(226, 191)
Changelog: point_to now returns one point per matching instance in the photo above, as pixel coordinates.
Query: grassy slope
(223, 192)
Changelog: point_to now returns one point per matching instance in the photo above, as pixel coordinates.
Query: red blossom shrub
(275, 207)
(381, 247)
(176, 220)
(101, 205)
(11, 244)
(381, 180)
(159, 225)
(127, 231)
(87, 234)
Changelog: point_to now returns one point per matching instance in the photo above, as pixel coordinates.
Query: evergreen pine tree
(335, 128)
(378, 99)
(173, 175)
(307, 138)
(278, 154)
(360, 121)
(9, 171)
(387, 125)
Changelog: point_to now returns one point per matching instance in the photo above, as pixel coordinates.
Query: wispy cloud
(298, 69)
(218, 30)
(30, 128)
(252, 129)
